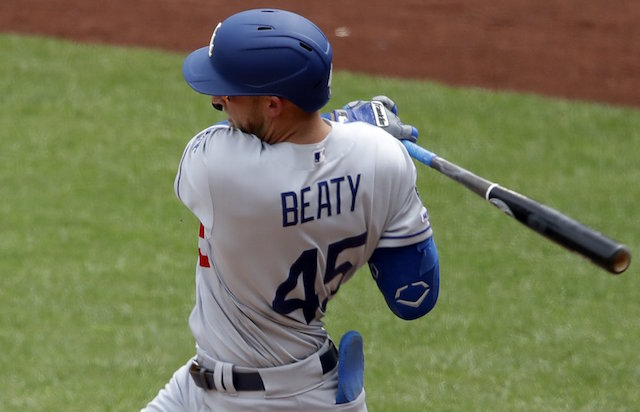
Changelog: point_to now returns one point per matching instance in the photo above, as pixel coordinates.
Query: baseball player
(291, 202)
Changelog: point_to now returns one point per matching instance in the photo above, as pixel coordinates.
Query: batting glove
(381, 111)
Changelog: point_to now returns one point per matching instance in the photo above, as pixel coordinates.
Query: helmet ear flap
(264, 52)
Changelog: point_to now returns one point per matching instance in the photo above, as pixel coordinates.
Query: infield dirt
(577, 49)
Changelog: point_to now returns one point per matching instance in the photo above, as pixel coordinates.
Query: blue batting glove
(381, 111)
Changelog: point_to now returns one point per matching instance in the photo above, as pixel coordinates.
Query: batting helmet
(264, 52)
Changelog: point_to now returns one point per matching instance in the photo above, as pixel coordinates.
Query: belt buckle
(200, 376)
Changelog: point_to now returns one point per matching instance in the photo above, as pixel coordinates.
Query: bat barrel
(574, 236)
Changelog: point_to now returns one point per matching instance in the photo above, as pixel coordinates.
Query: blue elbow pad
(408, 277)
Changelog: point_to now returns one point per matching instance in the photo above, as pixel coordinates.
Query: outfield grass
(97, 255)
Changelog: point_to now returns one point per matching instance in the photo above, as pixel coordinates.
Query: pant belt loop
(227, 378)
(217, 376)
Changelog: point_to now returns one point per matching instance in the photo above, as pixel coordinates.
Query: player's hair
(264, 52)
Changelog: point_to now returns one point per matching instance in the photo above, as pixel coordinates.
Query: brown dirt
(578, 49)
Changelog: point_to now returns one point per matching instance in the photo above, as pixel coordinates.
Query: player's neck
(306, 128)
(314, 130)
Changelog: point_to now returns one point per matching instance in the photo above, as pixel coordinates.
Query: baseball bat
(576, 237)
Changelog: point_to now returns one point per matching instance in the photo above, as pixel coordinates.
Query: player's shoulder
(218, 129)
(220, 136)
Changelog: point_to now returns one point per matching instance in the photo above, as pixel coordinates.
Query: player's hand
(381, 111)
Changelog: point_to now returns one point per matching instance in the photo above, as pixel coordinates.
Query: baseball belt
(252, 381)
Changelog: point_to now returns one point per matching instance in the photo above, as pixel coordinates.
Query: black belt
(251, 381)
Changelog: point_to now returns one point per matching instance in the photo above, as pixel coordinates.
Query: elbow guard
(408, 277)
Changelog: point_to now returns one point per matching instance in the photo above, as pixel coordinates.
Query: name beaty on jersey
(324, 199)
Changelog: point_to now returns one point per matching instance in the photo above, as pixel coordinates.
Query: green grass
(97, 255)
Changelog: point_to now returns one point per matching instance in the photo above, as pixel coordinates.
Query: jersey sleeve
(408, 222)
(192, 180)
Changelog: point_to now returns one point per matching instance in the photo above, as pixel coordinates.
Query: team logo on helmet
(330, 78)
(213, 36)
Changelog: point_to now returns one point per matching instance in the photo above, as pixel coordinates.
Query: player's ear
(275, 105)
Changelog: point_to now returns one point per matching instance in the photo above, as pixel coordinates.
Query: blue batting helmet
(264, 52)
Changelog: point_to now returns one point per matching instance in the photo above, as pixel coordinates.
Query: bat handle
(419, 153)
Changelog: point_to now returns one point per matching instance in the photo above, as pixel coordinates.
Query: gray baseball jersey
(282, 227)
